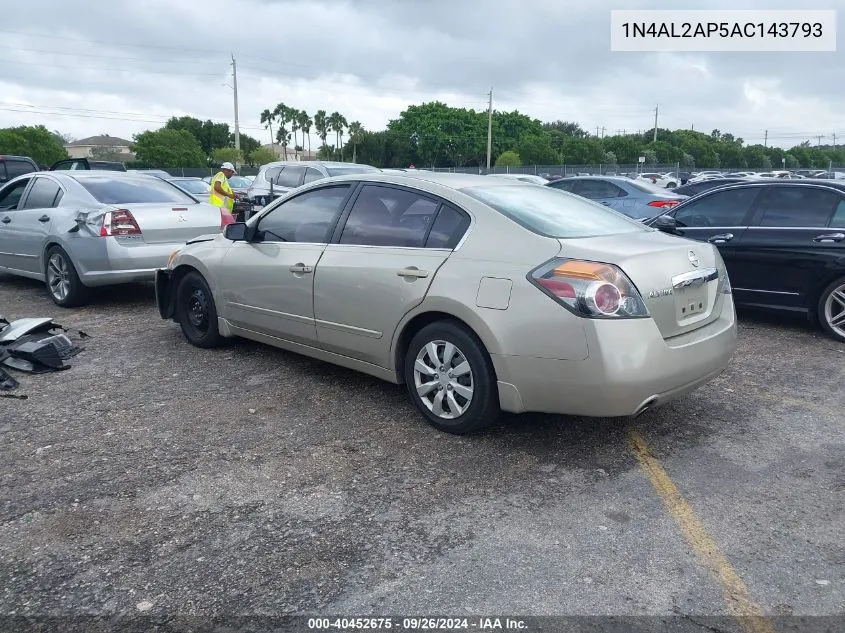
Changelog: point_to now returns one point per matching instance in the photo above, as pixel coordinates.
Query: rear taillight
(589, 289)
(225, 217)
(119, 223)
(662, 204)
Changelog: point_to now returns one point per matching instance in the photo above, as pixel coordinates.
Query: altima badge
(656, 294)
(693, 259)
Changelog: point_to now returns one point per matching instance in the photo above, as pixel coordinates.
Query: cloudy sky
(121, 66)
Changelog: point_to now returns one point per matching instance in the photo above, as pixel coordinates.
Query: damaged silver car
(82, 229)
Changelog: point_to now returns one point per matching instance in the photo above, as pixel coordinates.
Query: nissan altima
(479, 294)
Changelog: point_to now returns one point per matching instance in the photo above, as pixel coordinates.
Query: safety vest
(214, 198)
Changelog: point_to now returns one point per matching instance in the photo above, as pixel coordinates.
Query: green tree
(337, 123)
(168, 148)
(537, 149)
(626, 148)
(566, 128)
(305, 123)
(321, 124)
(226, 155)
(508, 159)
(610, 158)
(355, 131)
(582, 151)
(282, 114)
(267, 119)
(209, 135)
(261, 156)
(37, 142)
(248, 144)
(754, 156)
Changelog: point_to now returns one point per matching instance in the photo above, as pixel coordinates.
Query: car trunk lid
(164, 223)
(680, 281)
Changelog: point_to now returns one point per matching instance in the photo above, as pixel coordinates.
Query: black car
(14, 166)
(73, 164)
(705, 185)
(783, 244)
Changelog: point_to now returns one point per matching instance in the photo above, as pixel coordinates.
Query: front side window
(720, 209)
(137, 190)
(385, 216)
(10, 196)
(309, 217)
(43, 195)
(797, 206)
(552, 213)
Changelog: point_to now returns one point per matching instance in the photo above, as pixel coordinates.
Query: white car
(534, 180)
(661, 180)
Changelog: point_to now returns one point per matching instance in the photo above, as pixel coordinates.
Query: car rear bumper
(630, 368)
(117, 262)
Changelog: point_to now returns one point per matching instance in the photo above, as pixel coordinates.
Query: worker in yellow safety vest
(221, 194)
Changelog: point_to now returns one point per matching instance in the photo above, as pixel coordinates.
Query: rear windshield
(352, 169)
(133, 190)
(238, 181)
(552, 212)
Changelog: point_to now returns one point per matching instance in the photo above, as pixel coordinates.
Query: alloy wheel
(443, 379)
(834, 310)
(58, 276)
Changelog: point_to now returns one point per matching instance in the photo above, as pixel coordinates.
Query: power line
(121, 70)
(99, 55)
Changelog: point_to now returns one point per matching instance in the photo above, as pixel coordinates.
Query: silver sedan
(76, 230)
(480, 294)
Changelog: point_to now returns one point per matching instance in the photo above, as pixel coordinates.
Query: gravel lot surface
(157, 478)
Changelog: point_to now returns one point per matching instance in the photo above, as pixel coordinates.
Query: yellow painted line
(737, 597)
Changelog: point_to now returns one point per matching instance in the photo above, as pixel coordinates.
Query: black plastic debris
(7, 383)
(36, 345)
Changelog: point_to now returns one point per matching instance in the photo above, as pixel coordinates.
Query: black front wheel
(196, 312)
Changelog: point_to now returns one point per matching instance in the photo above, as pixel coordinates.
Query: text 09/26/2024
(746, 30)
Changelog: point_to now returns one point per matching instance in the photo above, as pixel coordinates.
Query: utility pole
(489, 128)
(597, 131)
(820, 137)
(834, 141)
(602, 131)
(655, 124)
(765, 138)
(235, 82)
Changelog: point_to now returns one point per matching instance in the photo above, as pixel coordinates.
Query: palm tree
(305, 125)
(283, 136)
(321, 124)
(343, 123)
(282, 114)
(294, 126)
(336, 125)
(355, 131)
(267, 118)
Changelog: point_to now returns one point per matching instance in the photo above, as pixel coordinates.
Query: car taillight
(225, 218)
(663, 203)
(589, 289)
(119, 223)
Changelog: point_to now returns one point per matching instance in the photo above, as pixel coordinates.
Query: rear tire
(831, 309)
(196, 312)
(451, 379)
(62, 281)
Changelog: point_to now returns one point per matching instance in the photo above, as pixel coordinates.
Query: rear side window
(385, 216)
(43, 195)
(290, 177)
(133, 190)
(554, 213)
(797, 206)
(596, 189)
(311, 175)
(563, 185)
(271, 173)
(719, 209)
(448, 229)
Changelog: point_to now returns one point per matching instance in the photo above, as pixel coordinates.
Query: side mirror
(666, 223)
(238, 232)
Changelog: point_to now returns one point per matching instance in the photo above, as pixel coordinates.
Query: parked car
(783, 243)
(158, 173)
(276, 179)
(14, 166)
(404, 277)
(635, 198)
(695, 188)
(534, 180)
(666, 181)
(195, 186)
(80, 229)
(74, 164)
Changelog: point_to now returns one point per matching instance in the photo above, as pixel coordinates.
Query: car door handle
(830, 237)
(607, 204)
(301, 268)
(721, 238)
(44, 218)
(6, 220)
(412, 271)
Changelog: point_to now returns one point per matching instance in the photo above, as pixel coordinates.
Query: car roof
(777, 182)
(621, 179)
(446, 179)
(94, 173)
(324, 163)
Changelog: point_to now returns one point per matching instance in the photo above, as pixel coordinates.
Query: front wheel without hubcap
(63, 284)
(450, 378)
(832, 309)
(196, 312)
